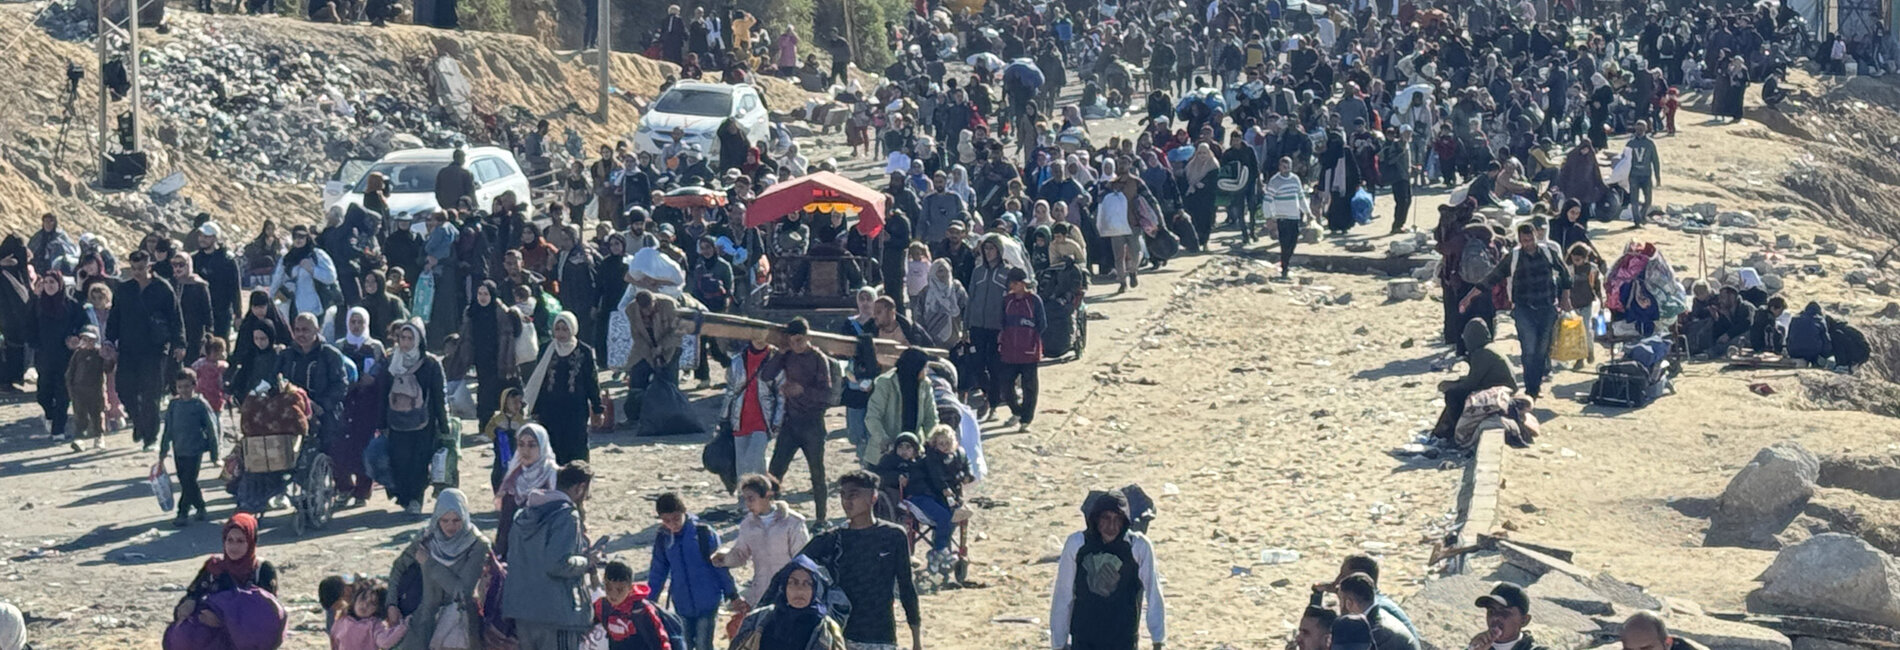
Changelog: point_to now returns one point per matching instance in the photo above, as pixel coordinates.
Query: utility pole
(105, 94)
(132, 8)
(603, 39)
(105, 30)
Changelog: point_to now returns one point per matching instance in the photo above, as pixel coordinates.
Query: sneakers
(182, 521)
(414, 508)
(1022, 427)
(77, 448)
(98, 443)
(1012, 421)
(200, 517)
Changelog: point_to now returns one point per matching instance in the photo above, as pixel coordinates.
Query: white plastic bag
(451, 626)
(161, 487)
(527, 345)
(461, 402)
(439, 468)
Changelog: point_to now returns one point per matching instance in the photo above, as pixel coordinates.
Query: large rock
(1818, 643)
(1832, 576)
(1739, 219)
(1876, 475)
(1718, 634)
(1572, 595)
(1763, 497)
(1398, 289)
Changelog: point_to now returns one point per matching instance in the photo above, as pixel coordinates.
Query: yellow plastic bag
(1569, 344)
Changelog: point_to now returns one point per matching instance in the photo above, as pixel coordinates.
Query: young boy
(683, 552)
(191, 432)
(86, 384)
(630, 619)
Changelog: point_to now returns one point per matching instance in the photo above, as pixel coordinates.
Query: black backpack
(1850, 345)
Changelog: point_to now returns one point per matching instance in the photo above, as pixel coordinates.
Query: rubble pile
(278, 115)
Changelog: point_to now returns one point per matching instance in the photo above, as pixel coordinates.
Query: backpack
(1621, 384)
(1477, 259)
(835, 368)
(1850, 345)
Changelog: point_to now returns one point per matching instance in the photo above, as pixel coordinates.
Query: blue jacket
(698, 586)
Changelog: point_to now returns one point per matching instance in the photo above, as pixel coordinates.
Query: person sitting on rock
(1357, 596)
(1363, 564)
(1486, 368)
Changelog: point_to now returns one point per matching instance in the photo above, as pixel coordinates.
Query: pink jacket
(769, 547)
(352, 633)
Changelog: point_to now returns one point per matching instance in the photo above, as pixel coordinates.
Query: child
(501, 429)
(86, 383)
(372, 624)
(947, 467)
(210, 371)
(191, 430)
(629, 619)
(905, 468)
(333, 593)
(396, 285)
(683, 552)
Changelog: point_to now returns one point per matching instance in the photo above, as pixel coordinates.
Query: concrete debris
(1404, 289)
(1861, 276)
(1832, 575)
(1764, 497)
(1739, 219)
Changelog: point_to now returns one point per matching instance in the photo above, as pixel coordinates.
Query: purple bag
(252, 620)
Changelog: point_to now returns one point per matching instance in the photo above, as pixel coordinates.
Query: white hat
(210, 229)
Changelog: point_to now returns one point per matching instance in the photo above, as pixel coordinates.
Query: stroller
(1061, 287)
(281, 455)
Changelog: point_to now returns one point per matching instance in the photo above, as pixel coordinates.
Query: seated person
(1486, 368)
(1732, 319)
(1767, 334)
(1640, 309)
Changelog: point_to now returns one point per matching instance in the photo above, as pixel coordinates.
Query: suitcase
(269, 453)
(1622, 384)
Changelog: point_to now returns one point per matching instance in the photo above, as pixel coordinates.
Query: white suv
(411, 175)
(698, 109)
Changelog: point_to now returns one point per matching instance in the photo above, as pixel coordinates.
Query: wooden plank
(1490, 541)
(728, 326)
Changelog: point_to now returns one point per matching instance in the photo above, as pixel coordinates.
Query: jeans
(1534, 326)
(699, 631)
(749, 453)
(1401, 203)
(854, 429)
(1639, 207)
(942, 531)
(988, 365)
(804, 433)
(1240, 213)
(1289, 232)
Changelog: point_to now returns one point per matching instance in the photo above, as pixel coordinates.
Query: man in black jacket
(454, 182)
(220, 271)
(317, 368)
(145, 326)
(1507, 611)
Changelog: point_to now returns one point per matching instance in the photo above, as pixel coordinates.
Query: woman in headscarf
(1200, 187)
(1601, 97)
(796, 618)
(260, 255)
(489, 328)
(564, 390)
(194, 304)
(940, 310)
(307, 276)
(537, 254)
(901, 402)
(262, 315)
(450, 556)
(254, 360)
(16, 294)
(610, 280)
(12, 628)
(383, 307)
(361, 410)
(414, 414)
(960, 184)
(57, 316)
(231, 604)
(530, 469)
(1339, 176)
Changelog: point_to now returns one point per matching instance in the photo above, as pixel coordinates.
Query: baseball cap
(1352, 632)
(210, 229)
(1506, 594)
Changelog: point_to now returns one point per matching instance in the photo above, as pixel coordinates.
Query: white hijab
(522, 478)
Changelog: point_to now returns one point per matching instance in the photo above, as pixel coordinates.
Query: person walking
(1538, 284)
(806, 388)
(191, 434)
(57, 317)
(683, 553)
(754, 409)
(142, 330)
(769, 537)
(1290, 208)
(1024, 321)
(449, 557)
(564, 390)
(548, 560)
(415, 414)
(1103, 575)
(489, 328)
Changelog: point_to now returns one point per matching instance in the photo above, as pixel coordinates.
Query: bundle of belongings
(1497, 407)
(1637, 378)
(1642, 268)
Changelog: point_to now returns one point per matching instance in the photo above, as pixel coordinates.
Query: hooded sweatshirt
(699, 586)
(1100, 584)
(546, 564)
(1488, 367)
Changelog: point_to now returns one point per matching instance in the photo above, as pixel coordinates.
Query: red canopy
(823, 188)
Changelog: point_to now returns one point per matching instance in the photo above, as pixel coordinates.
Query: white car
(411, 175)
(698, 109)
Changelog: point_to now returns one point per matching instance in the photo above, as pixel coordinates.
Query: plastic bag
(665, 411)
(1570, 345)
(424, 297)
(451, 629)
(461, 402)
(439, 467)
(161, 487)
(527, 345)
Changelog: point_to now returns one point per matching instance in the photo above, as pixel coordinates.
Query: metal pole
(105, 94)
(132, 68)
(851, 36)
(603, 39)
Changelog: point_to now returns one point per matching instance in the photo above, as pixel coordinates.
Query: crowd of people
(1000, 211)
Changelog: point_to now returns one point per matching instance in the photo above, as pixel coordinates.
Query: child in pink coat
(363, 629)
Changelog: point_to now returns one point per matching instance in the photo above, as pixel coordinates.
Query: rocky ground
(1261, 415)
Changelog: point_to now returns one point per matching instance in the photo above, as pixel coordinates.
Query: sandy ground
(1261, 415)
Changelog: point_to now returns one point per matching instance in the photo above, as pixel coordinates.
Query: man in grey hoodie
(548, 558)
